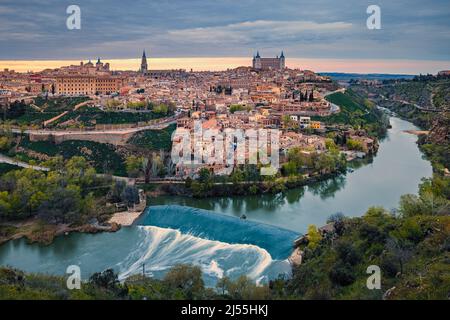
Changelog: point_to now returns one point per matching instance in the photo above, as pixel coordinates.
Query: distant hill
(411, 99)
(370, 76)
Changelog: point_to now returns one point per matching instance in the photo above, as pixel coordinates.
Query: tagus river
(209, 233)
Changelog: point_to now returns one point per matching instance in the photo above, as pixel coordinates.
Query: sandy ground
(125, 218)
(417, 132)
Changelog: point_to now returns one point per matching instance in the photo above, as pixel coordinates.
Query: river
(208, 233)
(397, 169)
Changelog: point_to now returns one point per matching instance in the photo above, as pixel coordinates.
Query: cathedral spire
(144, 65)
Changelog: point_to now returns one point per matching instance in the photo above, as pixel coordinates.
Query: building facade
(277, 63)
(75, 85)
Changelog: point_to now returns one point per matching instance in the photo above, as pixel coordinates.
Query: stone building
(277, 63)
(75, 85)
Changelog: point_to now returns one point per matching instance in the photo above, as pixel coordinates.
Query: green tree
(161, 109)
(237, 176)
(134, 166)
(353, 144)
(314, 237)
(289, 168)
(245, 289)
(6, 138)
(130, 195)
(186, 280)
(330, 144)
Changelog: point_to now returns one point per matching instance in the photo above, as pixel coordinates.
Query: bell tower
(144, 66)
(282, 61)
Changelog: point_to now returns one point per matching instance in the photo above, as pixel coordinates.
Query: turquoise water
(211, 226)
(397, 169)
(163, 237)
(223, 244)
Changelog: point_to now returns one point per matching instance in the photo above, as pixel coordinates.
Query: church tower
(282, 61)
(257, 61)
(144, 66)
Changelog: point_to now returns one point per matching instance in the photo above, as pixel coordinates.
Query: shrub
(342, 274)
(347, 253)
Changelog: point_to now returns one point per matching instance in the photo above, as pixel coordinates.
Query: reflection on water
(327, 189)
(379, 181)
(232, 247)
(397, 169)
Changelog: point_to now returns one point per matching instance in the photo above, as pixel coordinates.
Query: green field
(354, 108)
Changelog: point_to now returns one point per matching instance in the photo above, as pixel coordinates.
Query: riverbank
(304, 169)
(335, 269)
(418, 132)
(294, 209)
(241, 188)
(397, 169)
(127, 218)
(38, 231)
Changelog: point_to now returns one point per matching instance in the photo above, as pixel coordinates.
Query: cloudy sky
(411, 29)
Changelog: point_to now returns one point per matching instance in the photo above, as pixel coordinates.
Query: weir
(213, 226)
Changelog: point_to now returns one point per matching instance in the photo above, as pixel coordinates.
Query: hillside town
(265, 95)
(236, 158)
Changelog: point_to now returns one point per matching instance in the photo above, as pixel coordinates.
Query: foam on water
(167, 236)
(213, 226)
(162, 248)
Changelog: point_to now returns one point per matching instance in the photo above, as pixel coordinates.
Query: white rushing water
(163, 248)
(226, 245)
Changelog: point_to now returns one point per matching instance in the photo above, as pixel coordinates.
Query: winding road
(12, 161)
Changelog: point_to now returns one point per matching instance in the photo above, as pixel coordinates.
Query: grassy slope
(51, 108)
(88, 115)
(154, 139)
(101, 156)
(355, 110)
(418, 92)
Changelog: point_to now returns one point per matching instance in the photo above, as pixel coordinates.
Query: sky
(333, 30)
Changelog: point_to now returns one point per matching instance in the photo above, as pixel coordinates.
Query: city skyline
(388, 66)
